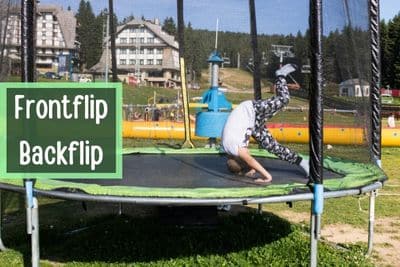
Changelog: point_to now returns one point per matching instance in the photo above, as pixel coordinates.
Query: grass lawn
(99, 237)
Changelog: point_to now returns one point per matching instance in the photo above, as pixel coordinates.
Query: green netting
(354, 175)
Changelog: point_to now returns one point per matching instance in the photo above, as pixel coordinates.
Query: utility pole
(112, 39)
(107, 56)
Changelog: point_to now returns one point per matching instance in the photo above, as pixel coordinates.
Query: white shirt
(241, 119)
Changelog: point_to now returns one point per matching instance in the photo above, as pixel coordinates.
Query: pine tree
(169, 26)
(385, 56)
(89, 34)
(394, 51)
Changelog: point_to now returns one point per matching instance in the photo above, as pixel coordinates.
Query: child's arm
(244, 154)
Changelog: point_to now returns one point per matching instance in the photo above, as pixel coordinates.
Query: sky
(273, 16)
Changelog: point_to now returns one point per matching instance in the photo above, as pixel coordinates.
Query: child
(248, 119)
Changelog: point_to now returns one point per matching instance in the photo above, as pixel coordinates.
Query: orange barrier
(282, 132)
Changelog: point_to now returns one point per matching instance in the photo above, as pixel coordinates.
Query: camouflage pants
(266, 109)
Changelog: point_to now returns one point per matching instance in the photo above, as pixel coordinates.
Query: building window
(122, 40)
(43, 42)
(43, 25)
(43, 33)
(150, 40)
(159, 61)
(132, 51)
(132, 62)
(159, 51)
(150, 62)
(142, 40)
(345, 92)
(141, 62)
(131, 30)
(150, 51)
(123, 51)
(141, 29)
(122, 61)
(141, 51)
(132, 40)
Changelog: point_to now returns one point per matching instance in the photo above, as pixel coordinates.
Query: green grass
(245, 239)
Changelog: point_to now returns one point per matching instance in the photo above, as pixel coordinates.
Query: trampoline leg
(2, 247)
(32, 221)
(120, 209)
(371, 221)
(260, 209)
(313, 241)
(35, 233)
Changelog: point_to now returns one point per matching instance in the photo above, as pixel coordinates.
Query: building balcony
(143, 45)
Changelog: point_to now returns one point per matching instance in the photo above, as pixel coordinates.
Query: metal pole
(371, 222)
(376, 126)
(256, 57)
(316, 125)
(112, 41)
(120, 209)
(260, 208)
(314, 242)
(28, 40)
(107, 55)
(185, 98)
(2, 247)
(28, 56)
(35, 233)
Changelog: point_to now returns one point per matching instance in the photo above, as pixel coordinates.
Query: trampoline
(199, 177)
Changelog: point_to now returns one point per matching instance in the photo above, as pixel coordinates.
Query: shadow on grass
(68, 233)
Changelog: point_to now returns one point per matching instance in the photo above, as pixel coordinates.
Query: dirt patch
(386, 236)
(386, 239)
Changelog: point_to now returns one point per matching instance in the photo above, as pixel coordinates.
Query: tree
(5, 7)
(385, 55)
(169, 26)
(393, 52)
(89, 35)
(127, 19)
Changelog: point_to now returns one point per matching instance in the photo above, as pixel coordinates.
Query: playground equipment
(210, 123)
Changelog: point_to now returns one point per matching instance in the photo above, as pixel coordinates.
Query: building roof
(168, 57)
(154, 27)
(355, 81)
(65, 18)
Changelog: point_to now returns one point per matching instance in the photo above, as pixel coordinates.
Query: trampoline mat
(196, 171)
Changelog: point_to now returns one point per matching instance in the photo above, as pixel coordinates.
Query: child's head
(236, 165)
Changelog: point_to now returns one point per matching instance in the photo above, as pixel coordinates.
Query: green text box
(61, 130)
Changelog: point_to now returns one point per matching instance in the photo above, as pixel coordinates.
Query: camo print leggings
(266, 109)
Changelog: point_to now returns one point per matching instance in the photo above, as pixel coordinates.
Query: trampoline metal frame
(32, 210)
(175, 201)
